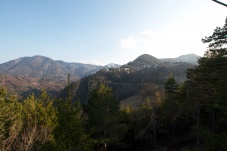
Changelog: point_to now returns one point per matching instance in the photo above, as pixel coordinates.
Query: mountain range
(44, 67)
(27, 75)
(190, 58)
(42, 72)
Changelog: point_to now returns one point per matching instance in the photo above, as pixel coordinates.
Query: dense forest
(191, 115)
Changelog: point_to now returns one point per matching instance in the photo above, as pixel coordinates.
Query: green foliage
(171, 105)
(127, 109)
(40, 110)
(104, 117)
(214, 141)
(10, 120)
(39, 121)
(217, 41)
(70, 133)
(196, 108)
(207, 85)
(2, 93)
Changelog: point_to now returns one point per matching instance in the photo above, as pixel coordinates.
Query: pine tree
(217, 41)
(39, 121)
(170, 103)
(103, 117)
(208, 82)
(70, 133)
(10, 120)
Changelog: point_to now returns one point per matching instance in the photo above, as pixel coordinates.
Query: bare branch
(220, 3)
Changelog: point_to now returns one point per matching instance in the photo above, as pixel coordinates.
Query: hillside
(28, 75)
(144, 60)
(190, 58)
(80, 69)
(24, 86)
(35, 67)
(128, 80)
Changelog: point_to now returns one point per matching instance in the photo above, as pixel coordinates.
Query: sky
(106, 31)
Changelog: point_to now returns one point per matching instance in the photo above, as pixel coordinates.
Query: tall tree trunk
(198, 125)
(105, 147)
(154, 127)
(212, 120)
(173, 119)
(155, 139)
(173, 132)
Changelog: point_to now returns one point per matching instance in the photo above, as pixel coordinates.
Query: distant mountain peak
(144, 60)
(189, 58)
(147, 58)
(112, 65)
(33, 67)
(188, 55)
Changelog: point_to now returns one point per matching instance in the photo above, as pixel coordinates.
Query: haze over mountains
(30, 74)
(44, 67)
(190, 58)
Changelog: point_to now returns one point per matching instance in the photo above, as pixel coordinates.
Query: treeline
(179, 115)
(124, 84)
(187, 116)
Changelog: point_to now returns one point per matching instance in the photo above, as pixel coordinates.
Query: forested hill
(27, 75)
(128, 80)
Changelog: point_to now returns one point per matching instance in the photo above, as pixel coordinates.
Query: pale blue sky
(106, 31)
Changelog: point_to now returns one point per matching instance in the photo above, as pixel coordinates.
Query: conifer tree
(217, 42)
(103, 117)
(170, 103)
(10, 120)
(39, 121)
(70, 133)
(209, 83)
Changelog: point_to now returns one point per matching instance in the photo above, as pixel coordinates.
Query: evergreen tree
(129, 119)
(104, 117)
(171, 104)
(10, 120)
(208, 82)
(39, 121)
(217, 42)
(70, 133)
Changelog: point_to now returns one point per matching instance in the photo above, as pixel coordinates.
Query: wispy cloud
(132, 42)
(180, 36)
(128, 42)
(147, 41)
(164, 44)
